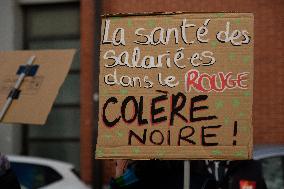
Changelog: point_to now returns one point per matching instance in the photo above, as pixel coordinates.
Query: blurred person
(156, 174)
(241, 174)
(8, 180)
(148, 174)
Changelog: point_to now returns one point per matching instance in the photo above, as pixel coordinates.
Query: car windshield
(33, 176)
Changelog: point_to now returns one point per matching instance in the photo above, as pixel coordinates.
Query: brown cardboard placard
(38, 92)
(176, 86)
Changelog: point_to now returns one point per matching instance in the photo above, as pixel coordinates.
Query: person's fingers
(120, 167)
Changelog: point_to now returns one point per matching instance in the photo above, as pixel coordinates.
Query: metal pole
(16, 86)
(186, 175)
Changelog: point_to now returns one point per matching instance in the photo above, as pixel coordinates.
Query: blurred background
(70, 132)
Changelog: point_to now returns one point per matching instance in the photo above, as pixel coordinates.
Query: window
(56, 26)
(34, 176)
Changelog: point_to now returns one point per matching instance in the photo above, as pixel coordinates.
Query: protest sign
(32, 100)
(176, 86)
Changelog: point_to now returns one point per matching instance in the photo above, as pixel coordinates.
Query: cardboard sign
(39, 89)
(176, 86)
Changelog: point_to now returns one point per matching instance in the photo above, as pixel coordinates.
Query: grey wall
(10, 39)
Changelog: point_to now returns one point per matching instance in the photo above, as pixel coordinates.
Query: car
(271, 158)
(41, 173)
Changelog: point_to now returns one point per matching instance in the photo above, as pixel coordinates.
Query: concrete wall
(10, 39)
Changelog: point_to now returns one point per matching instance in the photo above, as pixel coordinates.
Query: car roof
(266, 151)
(40, 161)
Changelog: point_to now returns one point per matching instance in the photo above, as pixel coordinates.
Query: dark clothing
(157, 174)
(237, 172)
(9, 181)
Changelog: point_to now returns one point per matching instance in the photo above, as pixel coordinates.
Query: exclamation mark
(235, 132)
